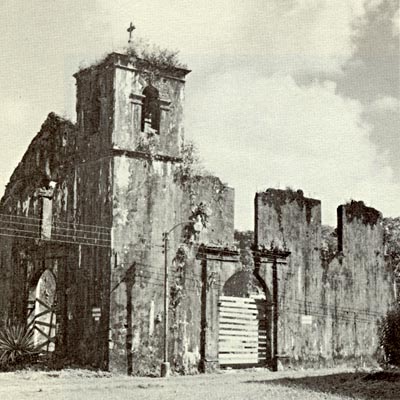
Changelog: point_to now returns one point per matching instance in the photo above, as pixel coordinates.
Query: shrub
(154, 56)
(390, 337)
(16, 345)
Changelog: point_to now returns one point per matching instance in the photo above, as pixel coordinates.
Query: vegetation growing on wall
(148, 143)
(150, 57)
(150, 358)
(392, 248)
(197, 221)
(244, 240)
(357, 209)
(329, 242)
(390, 337)
(191, 168)
(190, 171)
(154, 58)
(392, 236)
(277, 198)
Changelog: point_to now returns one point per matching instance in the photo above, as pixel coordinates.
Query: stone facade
(329, 307)
(116, 185)
(89, 204)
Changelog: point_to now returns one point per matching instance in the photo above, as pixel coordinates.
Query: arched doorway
(244, 322)
(42, 316)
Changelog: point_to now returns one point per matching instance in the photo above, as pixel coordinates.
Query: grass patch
(381, 385)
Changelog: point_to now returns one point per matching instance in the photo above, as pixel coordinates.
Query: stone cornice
(217, 253)
(270, 255)
(145, 155)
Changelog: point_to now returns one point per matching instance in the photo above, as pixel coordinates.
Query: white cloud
(19, 122)
(305, 35)
(265, 129)
(384, 104)
(396, 23)
(372, 5)
(272, 132)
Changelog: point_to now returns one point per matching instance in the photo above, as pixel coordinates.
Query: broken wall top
(50, 151)
(360, 224)
(126, 61)
(286, 217)
(282, 216)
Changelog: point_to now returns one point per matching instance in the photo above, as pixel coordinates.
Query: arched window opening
(151, 109)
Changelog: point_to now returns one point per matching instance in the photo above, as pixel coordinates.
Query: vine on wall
(198, 220)
(148, 142)
(190, 170)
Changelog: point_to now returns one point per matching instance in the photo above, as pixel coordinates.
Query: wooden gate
(242, 332)
(42, 317)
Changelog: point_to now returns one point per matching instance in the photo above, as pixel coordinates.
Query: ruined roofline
(358, 210)
(282, 196)
(352, 209)
(122, 60)
(51, 126)
(210, 177)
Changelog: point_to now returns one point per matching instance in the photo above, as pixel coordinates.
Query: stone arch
(42, 316)
(244, 321)
(244, 283)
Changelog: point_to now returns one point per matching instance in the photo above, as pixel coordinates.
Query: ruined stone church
(82, 256)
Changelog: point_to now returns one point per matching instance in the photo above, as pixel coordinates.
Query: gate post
(270, 257)
(275, 313)
(203, 321)
(210, 272)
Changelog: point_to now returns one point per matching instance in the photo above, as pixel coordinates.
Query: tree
(390, 337)
(244, 241)
(392, 248)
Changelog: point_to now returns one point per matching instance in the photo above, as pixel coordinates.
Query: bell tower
(131, 105)
(148, 113)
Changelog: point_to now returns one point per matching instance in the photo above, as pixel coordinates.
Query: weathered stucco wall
(90, 202)
(328, 309)
(150, 199)
(94, 200)
(59, 197)
(145, 204)
(360, 284)
(285, 218)
(95, 103)
(151, 196)
(21, 208)
(131, 79)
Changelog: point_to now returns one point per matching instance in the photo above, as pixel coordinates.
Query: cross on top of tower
(130, 30)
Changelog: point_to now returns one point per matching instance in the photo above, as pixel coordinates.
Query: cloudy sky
(283, 93)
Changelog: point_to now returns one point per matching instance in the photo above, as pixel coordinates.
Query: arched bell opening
(151, 113)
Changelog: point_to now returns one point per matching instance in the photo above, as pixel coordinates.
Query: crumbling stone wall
(150, 196)
(150, 199)
(287, 219)
(329, 308)
(21, 208)
(361, 289)
(55, 176)
(101, 193)
(90, 202)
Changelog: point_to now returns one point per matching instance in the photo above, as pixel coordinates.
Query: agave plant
(16, 344)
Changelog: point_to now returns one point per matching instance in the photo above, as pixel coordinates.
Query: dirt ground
(227, 385)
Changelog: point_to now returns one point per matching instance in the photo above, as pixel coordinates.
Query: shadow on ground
(358, 385)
